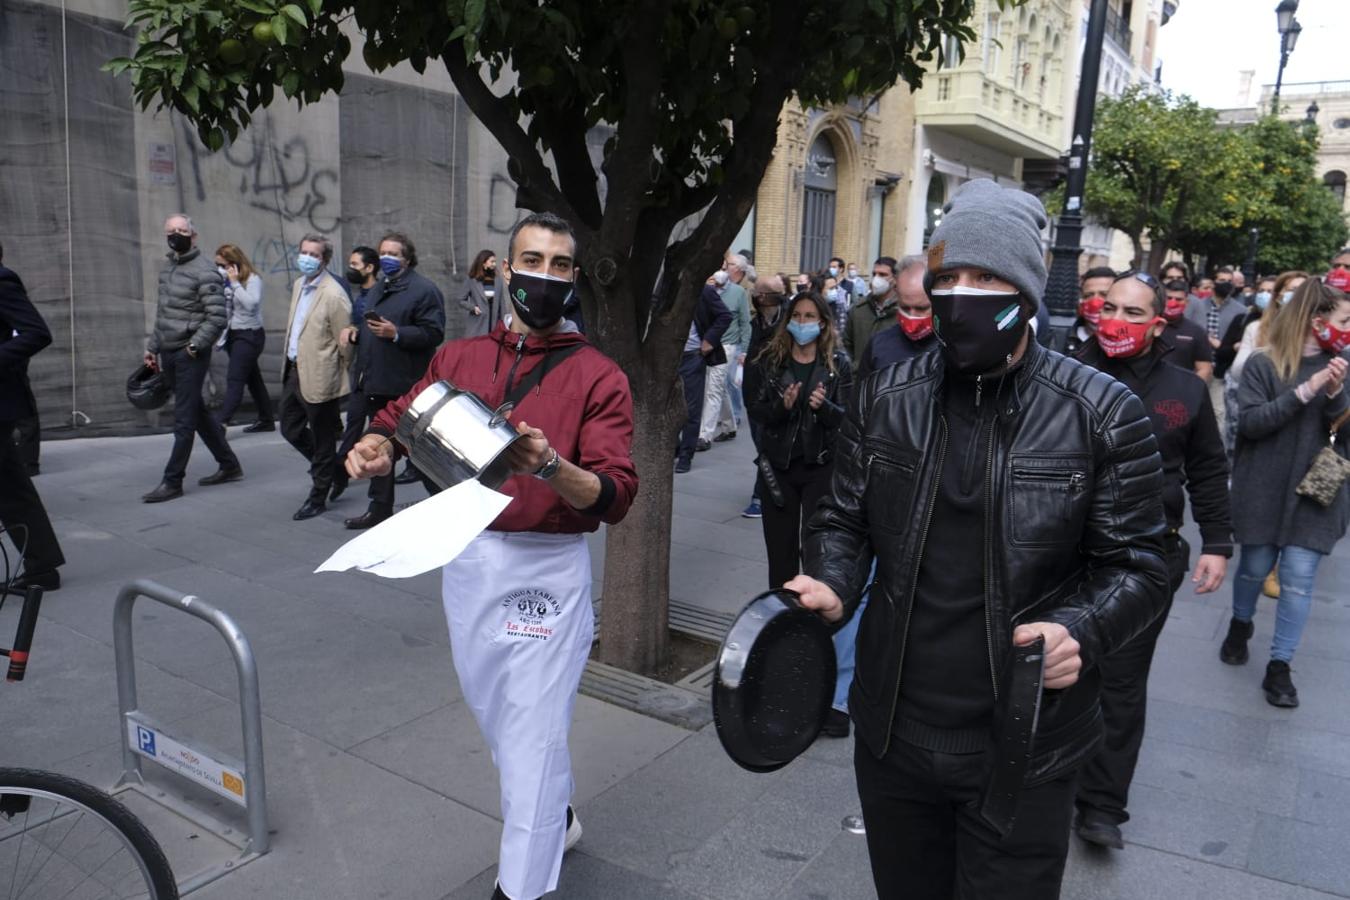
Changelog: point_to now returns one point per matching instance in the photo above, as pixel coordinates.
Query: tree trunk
(1138, 242)
(634, 633)
(1157, 252)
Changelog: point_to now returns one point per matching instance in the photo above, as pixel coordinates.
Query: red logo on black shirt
(1173, 413)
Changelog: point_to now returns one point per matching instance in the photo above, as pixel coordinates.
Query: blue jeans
(845, 647)
(1298, 571)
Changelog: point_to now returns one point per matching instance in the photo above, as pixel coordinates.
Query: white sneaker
(573, 830)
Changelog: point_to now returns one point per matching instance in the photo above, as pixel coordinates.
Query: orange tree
(692, 91)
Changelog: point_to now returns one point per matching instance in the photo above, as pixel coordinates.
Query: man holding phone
(404, 323)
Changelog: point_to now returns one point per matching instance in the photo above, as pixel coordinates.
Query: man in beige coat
(315, 373)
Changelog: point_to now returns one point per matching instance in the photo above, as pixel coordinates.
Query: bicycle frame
(23, 636)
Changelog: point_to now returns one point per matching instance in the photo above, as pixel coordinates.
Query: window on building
(1335, 182)
(989, 47)
(1021, 66)
(944, 88)
(951, 51)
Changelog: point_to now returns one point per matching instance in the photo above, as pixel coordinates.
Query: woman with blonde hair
(244, 338)
(802, 379)
(1255, 334)
(1290, 397)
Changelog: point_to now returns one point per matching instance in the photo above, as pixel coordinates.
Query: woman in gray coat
(482, 297)
(1291, 395)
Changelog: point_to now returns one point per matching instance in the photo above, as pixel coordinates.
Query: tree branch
(572, 159)
(533, 177)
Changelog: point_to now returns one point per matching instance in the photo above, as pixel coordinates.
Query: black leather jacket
(1074, 533)
(779, 427)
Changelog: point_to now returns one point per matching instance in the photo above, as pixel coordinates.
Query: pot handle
(499, 415)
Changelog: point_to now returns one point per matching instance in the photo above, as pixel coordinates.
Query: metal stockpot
(453, 436)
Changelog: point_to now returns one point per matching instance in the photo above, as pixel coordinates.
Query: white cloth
(518, 608)
(717, 409)
(398, 547)
(301, 314)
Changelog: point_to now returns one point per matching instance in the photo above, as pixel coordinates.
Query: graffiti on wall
(273, 173)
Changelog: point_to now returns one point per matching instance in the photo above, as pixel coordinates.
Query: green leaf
(280, 28)
(214, 139)
(191, 98)
(315, 7)
(296, 13)
(290, 83)
(257, 6)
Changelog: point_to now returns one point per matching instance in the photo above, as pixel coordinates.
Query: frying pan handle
(500, 413)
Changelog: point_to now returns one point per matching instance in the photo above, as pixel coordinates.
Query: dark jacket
(584, 407)
(1278, 437)
(711, 320)
(780, 428)
(1075, 536)
(1193, 456)
(888, 347)
(1226, 352)
(388, 368)
(191, 306)
(17, 314)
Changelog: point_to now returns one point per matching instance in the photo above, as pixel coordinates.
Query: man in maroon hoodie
(518, 599)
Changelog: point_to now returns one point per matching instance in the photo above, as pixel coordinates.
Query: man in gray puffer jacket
(188, 320)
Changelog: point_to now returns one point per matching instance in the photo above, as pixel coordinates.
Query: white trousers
(717, 397)
(518, 606)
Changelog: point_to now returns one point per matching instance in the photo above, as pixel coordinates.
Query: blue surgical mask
(834, 271)
(804, 332)
(390, 265)
(307, 264)
(1262, 299)
(834, 295)
(1286, 296)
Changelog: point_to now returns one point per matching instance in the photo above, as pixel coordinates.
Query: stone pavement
(380, 787)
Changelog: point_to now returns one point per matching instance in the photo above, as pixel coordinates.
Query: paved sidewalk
(380, 787)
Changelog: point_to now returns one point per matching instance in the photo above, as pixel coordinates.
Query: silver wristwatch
(549, 468)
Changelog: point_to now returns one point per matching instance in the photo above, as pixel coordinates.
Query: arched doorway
(1335, 182)
(818, 204)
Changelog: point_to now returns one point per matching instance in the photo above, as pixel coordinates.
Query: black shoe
(836, 724)
(165, 491)
(703, 445)
(1234, 648)
(47, 579)
(1095, 828)
(368, 519)
(1279, 687)
(498, 893)
(337, 489)
(409, 475)
(308, 511)
(725, 436)
(573, 833)
(683, 465)
(221, 476)
(260, 426)
(34, 470)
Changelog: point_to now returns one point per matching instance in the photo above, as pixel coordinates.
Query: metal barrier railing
(244, 785)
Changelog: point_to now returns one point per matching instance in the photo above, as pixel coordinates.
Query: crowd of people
(937, 483)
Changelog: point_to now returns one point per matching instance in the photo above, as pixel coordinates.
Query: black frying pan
(774, 683)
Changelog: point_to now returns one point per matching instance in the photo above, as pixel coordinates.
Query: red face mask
(1119, 338)
(916, 328)
(1174, 310)
(1339, 279)
(1090, 310)
(1204, 295)
(1332, 339)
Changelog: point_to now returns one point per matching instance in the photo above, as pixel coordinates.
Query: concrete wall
(394, 151)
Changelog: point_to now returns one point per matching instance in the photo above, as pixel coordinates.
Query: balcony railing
(1118, 30)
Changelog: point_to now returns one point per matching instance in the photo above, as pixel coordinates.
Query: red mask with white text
(1205, 294)
(1174, 310)
(1090, 310)
(916, 328)
(1332, 339)
(1119, 338)
(1339, 279)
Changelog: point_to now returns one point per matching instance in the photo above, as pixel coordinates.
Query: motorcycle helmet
(148, 389)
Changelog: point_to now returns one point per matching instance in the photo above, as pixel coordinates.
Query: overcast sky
(1206, 44)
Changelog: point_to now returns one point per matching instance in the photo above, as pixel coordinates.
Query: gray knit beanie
(993, 228)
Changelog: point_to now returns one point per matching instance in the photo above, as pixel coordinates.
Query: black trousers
(693, 374)
(190, 417)
(1104, 783)
(21, 509)
(313, 429)
(244, 347)
(927, 842)
(803, 485)
(361, 408)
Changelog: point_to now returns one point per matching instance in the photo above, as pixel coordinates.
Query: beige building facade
(836, 186)
(1326, 104)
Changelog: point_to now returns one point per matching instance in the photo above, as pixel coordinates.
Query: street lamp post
(1061, 290)
(1289, 32)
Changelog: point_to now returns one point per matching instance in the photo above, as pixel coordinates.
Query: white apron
(518, 606)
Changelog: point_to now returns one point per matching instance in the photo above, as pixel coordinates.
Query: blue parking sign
(145, 740)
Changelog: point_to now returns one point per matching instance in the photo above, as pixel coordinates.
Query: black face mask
(1223, 289)
(977, 332)
(539, 300)
(356, 276)
(179, 243)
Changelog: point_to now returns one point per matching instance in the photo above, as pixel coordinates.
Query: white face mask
(880, 285)
(720, 277)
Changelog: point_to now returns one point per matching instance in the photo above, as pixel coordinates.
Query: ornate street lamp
(1289, 32)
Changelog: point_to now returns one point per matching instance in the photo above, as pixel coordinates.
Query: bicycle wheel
(62, 838)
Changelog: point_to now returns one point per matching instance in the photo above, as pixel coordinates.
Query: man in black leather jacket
(1007, 493)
